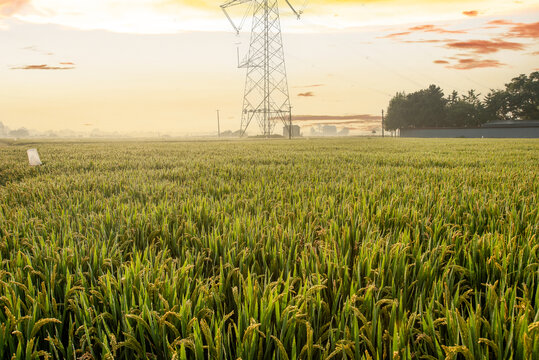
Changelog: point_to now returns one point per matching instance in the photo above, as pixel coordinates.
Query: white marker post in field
(33, 157)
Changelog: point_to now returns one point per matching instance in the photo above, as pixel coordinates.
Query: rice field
(309, 249)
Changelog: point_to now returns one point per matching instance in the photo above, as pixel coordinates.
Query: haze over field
(167, 65)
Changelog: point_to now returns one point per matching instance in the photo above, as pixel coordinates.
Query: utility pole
(218, 125)
(290, 124)
(382, 122)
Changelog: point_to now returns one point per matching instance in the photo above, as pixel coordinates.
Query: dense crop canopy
(358, 249)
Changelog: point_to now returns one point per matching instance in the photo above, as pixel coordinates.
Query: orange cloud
(42, 67)
(525, 30)
(404, 33)
(341, 118)
(471, 13)
(485, 46)
(520, 30)
(468, 64)
(352, 122)
(173, 16)
(441, 62)
(500, 22)
(423, 28)
(352, 125)
(435, 29)
(10, 7)
(430, 41)
(37, 50)
(310, 86)
(67, 63)
(306, 94)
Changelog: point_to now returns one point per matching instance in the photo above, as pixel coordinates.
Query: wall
(528, 133)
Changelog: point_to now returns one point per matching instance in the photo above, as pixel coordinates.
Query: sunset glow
(167, 65)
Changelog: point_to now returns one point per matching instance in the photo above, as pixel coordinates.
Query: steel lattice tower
(266, 97)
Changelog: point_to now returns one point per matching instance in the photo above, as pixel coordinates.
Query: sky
(166, 66)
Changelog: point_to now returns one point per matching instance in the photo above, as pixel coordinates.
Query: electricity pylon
(266, 97)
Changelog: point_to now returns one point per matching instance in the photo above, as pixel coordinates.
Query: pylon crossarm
(229, 4)
(298, 13)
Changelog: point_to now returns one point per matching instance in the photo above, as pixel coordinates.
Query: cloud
(352, 122)
(342, 119)
(42, 67)
(34, 48)
(11, 7)
(467, 48)
(430, 41)
(525, 30)
(175, 16)
(468, 64)
(309, 86)
(500, 22)
(363, 125)
(428, 28)
(516, 30)
(306, 94)
(67, 63)
(471, 13)
(435, 29)
(394, 35)
(122, 16)
(519, 30)
(485, 46)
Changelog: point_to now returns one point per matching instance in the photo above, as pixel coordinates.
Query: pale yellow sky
(166, 65)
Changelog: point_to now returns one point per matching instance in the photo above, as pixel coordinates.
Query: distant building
(524, 129)
(296, 131)
(329, 130)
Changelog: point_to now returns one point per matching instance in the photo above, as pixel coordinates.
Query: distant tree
(496, 106)
(460, 114)
(424, 108)
(2, 129)
(428, 107)
(518, 101)
(472, 98)
(464, 111)
(523, 97)
(398, 112)
(454, 97)
(22, 132)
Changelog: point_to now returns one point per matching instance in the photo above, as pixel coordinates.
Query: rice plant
(318, 249)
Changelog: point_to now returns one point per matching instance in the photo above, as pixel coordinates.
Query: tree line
(5, 131)
(431, 108)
